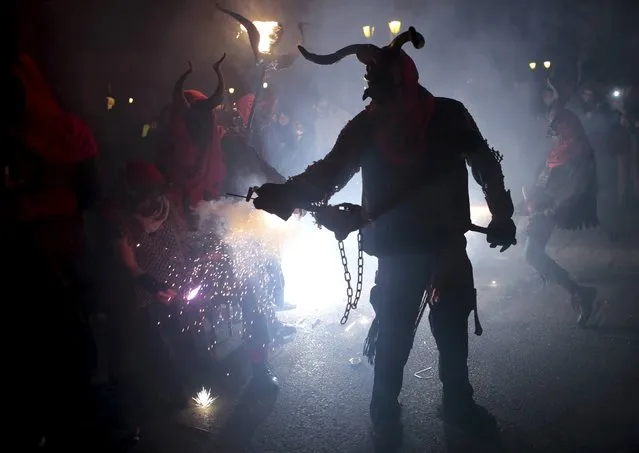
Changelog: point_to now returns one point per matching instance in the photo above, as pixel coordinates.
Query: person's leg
(396, 297)
(539, 230)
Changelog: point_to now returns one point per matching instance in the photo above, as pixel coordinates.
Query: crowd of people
(138, 255)
(110, 222)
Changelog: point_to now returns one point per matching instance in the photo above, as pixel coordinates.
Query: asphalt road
(552, 386)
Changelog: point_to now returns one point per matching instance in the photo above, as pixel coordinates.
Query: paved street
(553, 387)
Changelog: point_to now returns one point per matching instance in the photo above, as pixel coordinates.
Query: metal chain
(352, 300)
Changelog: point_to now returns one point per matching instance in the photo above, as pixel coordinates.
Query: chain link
(352, 299)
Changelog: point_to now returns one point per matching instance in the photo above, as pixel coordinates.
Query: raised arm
(324, 178)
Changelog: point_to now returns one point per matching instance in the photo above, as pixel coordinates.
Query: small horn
(364, 52)
(411, 35)
(178, 89)
(218, 96)
(251, 30)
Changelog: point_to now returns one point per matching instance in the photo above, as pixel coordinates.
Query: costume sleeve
(485, 164)
(322, 179)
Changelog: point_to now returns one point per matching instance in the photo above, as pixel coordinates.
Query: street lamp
(130, 100)
(369, 31)
(532, 65)
(395, 26)
(547, 64)
(231, 90)
(265, 85)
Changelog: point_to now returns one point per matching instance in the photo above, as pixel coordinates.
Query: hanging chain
(352, 300)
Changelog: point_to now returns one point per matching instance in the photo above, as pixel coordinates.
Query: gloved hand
(501, 232)
(275, 199)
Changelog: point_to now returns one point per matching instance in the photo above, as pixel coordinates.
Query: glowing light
(110, 102)
(203, 398)
(493, 284)
(192, 294)
(231, 90)
(616, 93)
(270, 32)
(532, 65)
(265, 85)
(368, 31)
(395, 26)
(130, 100)
(480, 214)
(547, 64)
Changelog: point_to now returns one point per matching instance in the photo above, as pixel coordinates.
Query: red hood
(196, 170)
(402, 127)
(192, 96)
(47, 129)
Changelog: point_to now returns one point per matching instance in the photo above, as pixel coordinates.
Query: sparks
(192, 294)
(203, 398)
(270, 32)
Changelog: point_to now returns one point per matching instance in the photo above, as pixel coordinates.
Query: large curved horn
(409, 35)
(218, 96)
(251, 30)
(178, 89)
(364, 52)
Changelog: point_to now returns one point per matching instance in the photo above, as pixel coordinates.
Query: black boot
(583, 302)
(387, 426)
(468, 416)
(263, 377)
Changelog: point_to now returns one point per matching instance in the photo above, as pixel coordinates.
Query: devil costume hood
(194, 165)
(567, 185)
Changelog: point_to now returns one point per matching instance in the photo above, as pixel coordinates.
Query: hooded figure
(412, 149)
(195, 166)
(564, 196)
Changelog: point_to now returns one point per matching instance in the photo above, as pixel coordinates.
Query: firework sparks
(203, 398)
(192, 294)
(270, 33)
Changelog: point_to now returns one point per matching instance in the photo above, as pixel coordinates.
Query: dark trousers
(539, 231)
(51, 358)
(399, 289)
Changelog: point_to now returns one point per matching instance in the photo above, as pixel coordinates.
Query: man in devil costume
(194, 164)
(563, 196)
(412, 149)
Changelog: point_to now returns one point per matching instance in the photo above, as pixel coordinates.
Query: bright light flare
(368, 31)
(395, 26)
(480, 214)
(231, 90)
(265, 85)
(130, 100)
(547, 64)
(270, 33)
(203, 398)
(616, 93)
(192, 294)
(532, 65)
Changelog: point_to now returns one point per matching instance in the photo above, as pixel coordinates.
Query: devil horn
(178, 89)
(411, 35)
(364, 52)
(218, 96)
(251, 30)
